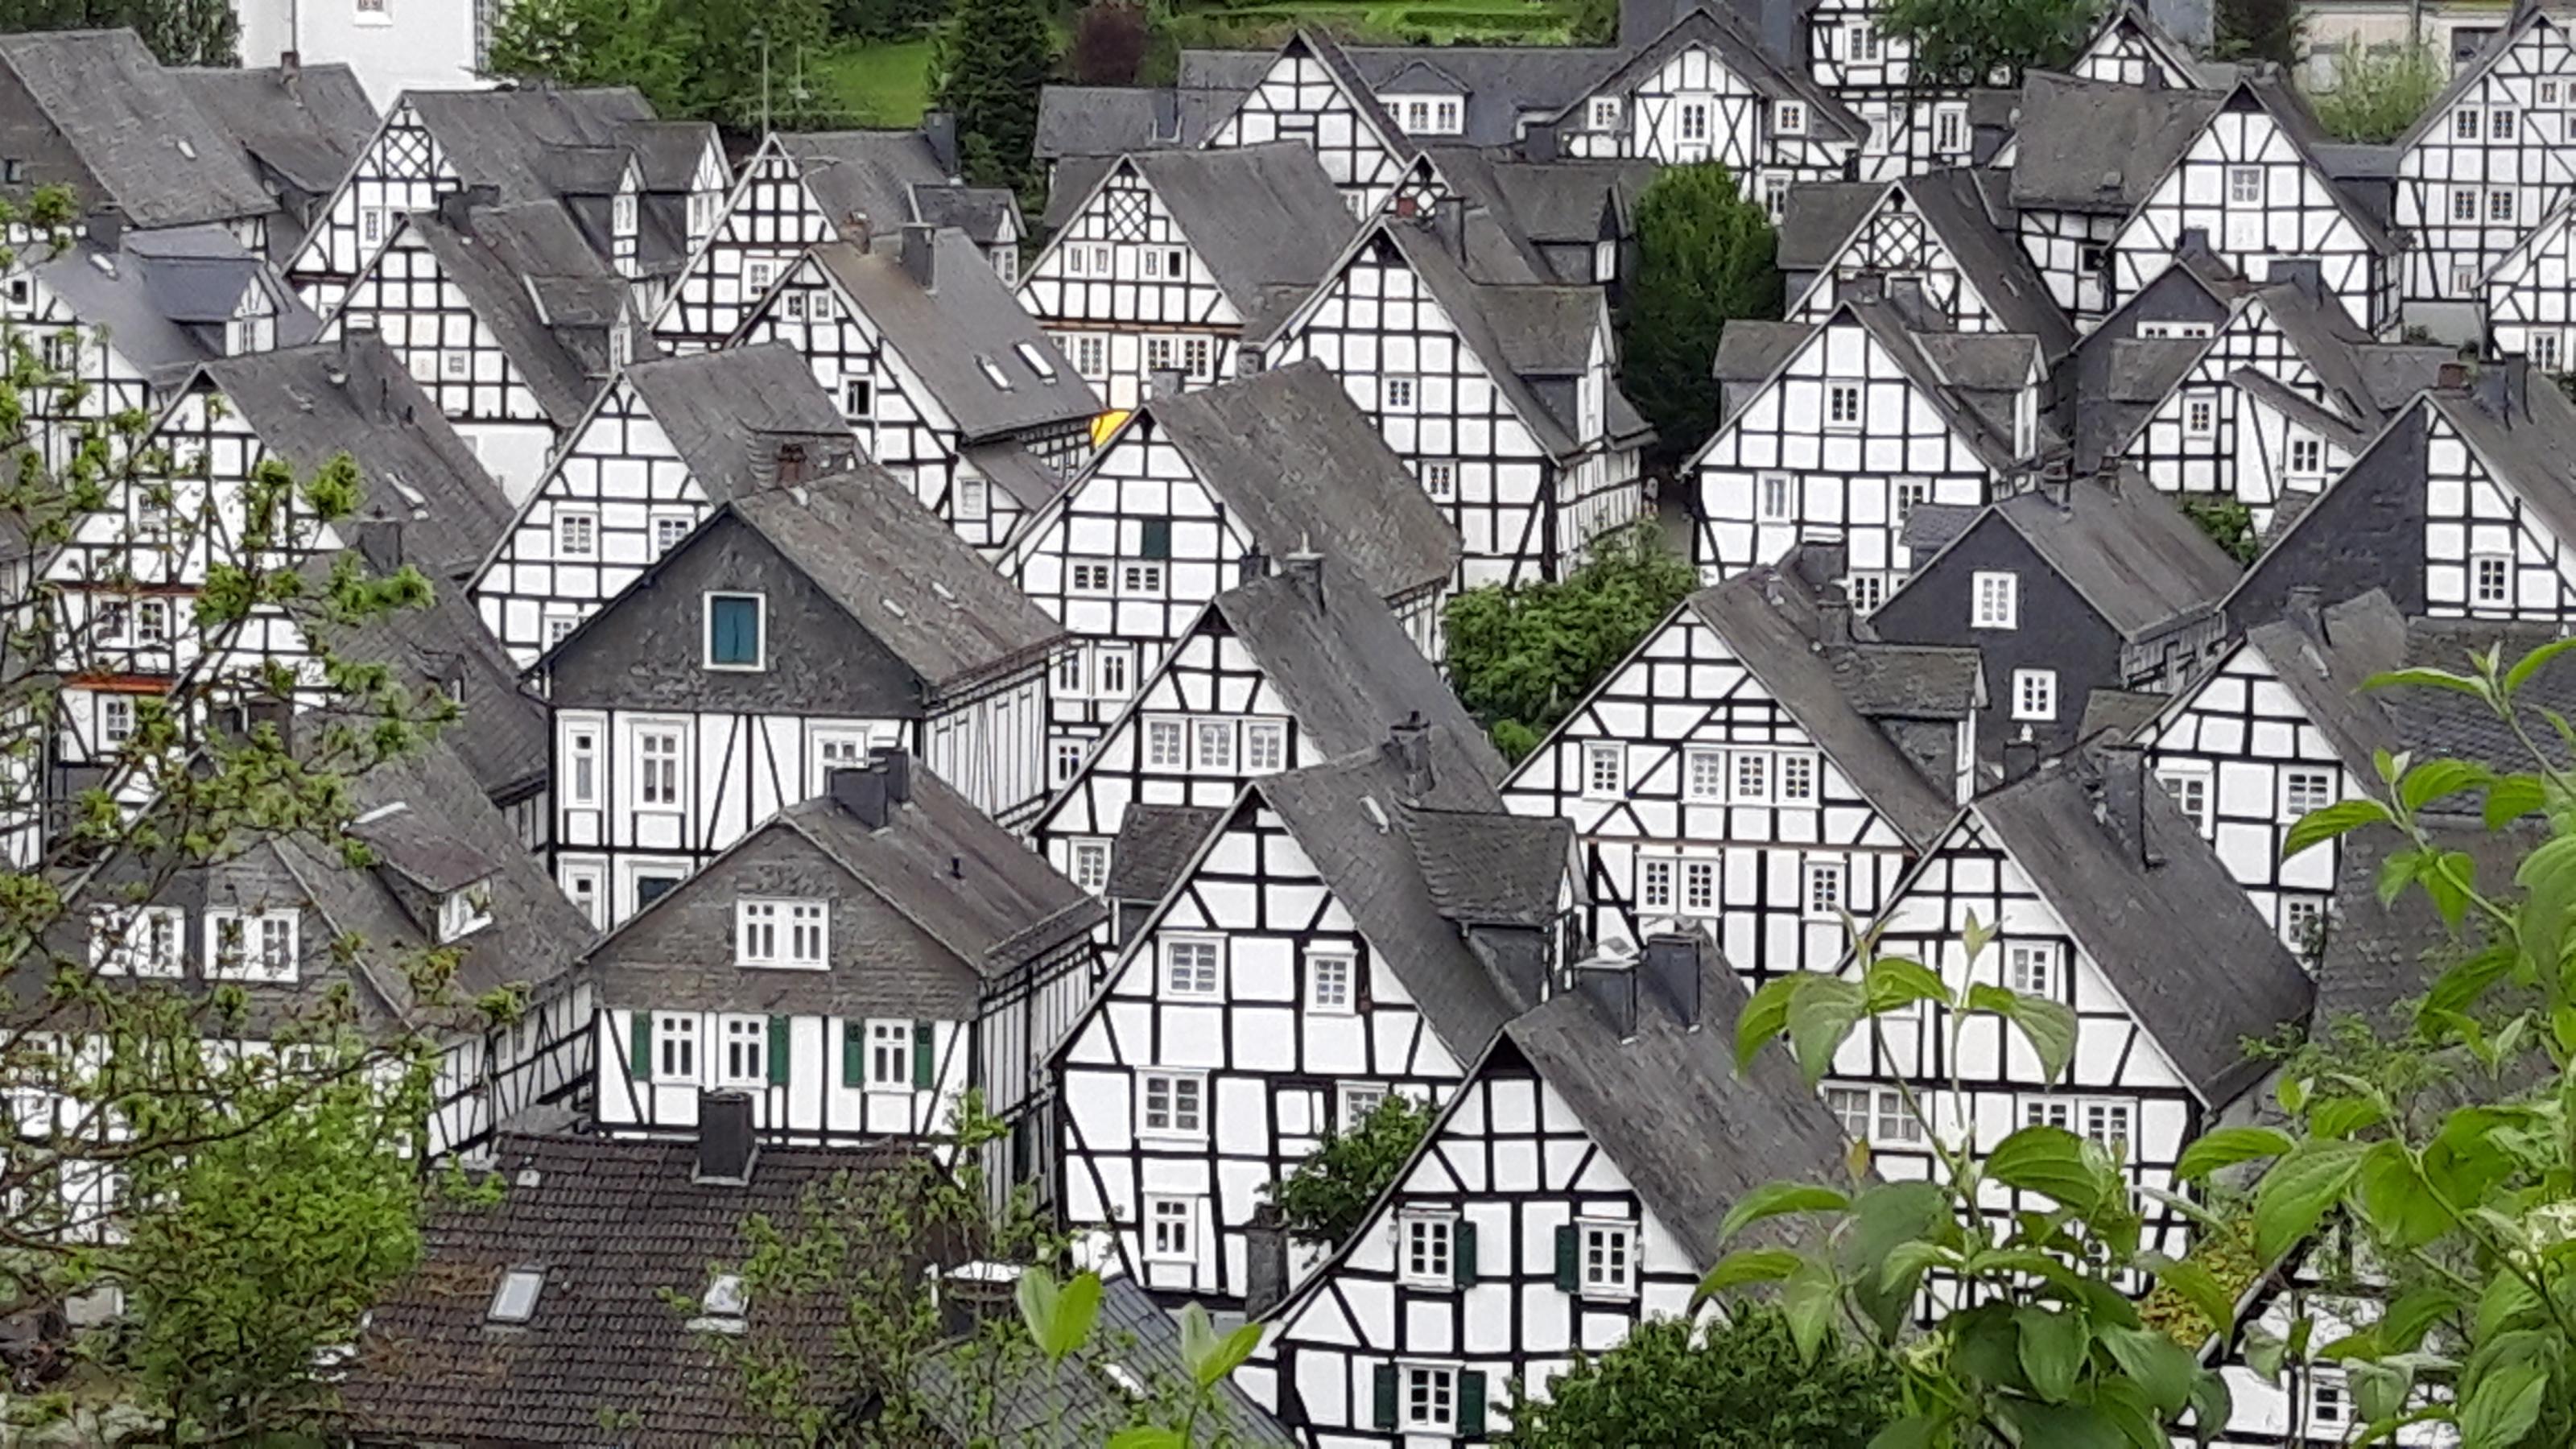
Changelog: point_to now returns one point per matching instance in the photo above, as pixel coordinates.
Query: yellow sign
(1107, 423)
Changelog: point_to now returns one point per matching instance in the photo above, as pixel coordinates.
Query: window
(1824, 895)
(514, 1301)
(1861, 41)
(1091, 356)
(2464, 203)
(1704, 774)
(1440, 480)
(2108, 1124)
(1699, 887)
(652, 887)
(115, 718)
(1428, 1259)
(2543, 348)
(1113, 671)
(577, 535)
(2464, 124)
(2200, 417)
(251, 944)
(734, 630)
(1609, 1261)
(2491, 579)
(2030, 967)
(2175, 331)
(1163, 744)
(657, 769)
(1654, 885)
(1175, 1104)
(463, 912)
(456, 365)
(1868, 591)
(1167, 1229)
(1949, 129)
(2305, 790)
(145, 941)
(1772, 491)
(2500, 204)
(371, 222)
(675, 1047)
(1775, 195)
(992, 372)
(1998, 601)
(2502, 123)
(1694, 120)
(2307, 457)
(1789, 118)
(1752, 777)
(890, 1050)
(1445, 117)
(746, 1051)
(1068, 759)
(1215, 744)
(1158, 354)
(759, 274)
(2464, 279)
(1091, 865)
(2328, 1408)
(2303, 923)
(1795, 779)
(668, 530)
(1842, 405)
(1873, 1114)
(1604, 113)
(1398, 393)
(974, 500)
(2549, 93)
(1193, 967)
(1265, 747)
(1355, 1101)
(2245, 186)
(1141, 578)
(1329, 983)
(581, 765)
(2189, 786)
(1417, 116)
(2035, 694)
(1430, 1398)
(1198, 357)
(858, 399)
(1090, 578)
(1911, 493)
(1605, 771)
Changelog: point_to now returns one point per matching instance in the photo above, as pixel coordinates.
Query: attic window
(1036, 360)
(993, 372)
(463, 912)
(722, 1310)
(515, 1301)
(187, 147)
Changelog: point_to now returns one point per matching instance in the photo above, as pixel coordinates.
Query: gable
(770, 218)
(2365, 531)
(1139, 475)
(1777, 426)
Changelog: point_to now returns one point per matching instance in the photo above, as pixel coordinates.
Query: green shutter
(925, 1071)
(1568, 1260)
(854, 1053)
(1156, 542)
(1386, 1396)
(1462, 1253)
(639, 1045)
(1471, 1404)
(778, 1051)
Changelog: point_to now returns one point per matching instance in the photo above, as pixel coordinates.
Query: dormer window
(993, 372)
(514, 1300)
(723, 1309)
(1790, 118)
(1603, 114)
(1036, 360)
(736, 624)
(464, 911)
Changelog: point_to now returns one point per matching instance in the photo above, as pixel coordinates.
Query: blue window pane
(733, 631)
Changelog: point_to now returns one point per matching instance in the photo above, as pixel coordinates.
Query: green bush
(2379, 93)
(1324, 1200)
(1737, 1384)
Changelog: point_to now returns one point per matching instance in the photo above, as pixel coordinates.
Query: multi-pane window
(145, 941)
(1654, 885)
(2030, 967)
(1091, 356)
(1752, 777)
(2190, 791)
(2544, 348)
(1113, 671)
(2491, 579)
(890, 1046)
(2307, 457)
(581, 765)
(1789, 118)
(2500, 205)
(1604, 113)
(1167, 1229)
(1868, 591)
(2108, 1124)
(1997, 597)
(1356, 1100)
(2464, 203)
(2465, 123)
(1842, 405)
(1608, 1264)
(668, 530)
(1175, 1104)
(1772, 491)
(1428, 1258)
(1862, 42)
(2035, 694)
(1164, 748)
(1399, 393)
(1873, 1114)
(1329, 982)
(1265, 746)
(1192, 966)
(1795, 778)
(2245, 186)
(2303, 923)
(675, 1047)
(1605, 771)
(1215, 744)
(115, 718)
(657, 768)
(1910, 494)
(576, 534)
(1694, 116)
(2328, 1407)
(2199, 417)
(1068, 759)
(1704, 774)
(1197, 359)
(746, 1051)
(1430, 1398)
(2303, 791)
(1440, 480)
(1091, 865)
(1824, 892)
(1699, 886)
(250, 944)
(1141, 578)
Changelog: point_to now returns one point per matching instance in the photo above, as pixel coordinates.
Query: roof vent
(722, 1310)
(528, 1178)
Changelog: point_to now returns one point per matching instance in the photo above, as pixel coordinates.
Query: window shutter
(1157, 541)
(1567, 1259)
(639, 1045)
(1386, 1396)
(924, 1070)
(778, 1051)
(1462, 1253)
(854, 1053)
(1471, 1404)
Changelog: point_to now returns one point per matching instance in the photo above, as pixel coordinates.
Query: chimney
(2305, 273)
(2304, 610)
(1254, 565)
(2020, 758)
(1610, 984)
(1411, 743)
(862, 792)
(1538, 143)
(2452, 376)
(791, 463)
(1449, 225)
(975, 1294)
(1163, 382)
(1671, 968)
(1833, 619)
(1265, 1260)
(1905, 294)
(725, 1144)
(2123, 800)
(2195, 242)
(895, 763)
(857, 230)
(379, 542)
(921, 255)
(939, 128)
(289, 64)
(106, 228)
(1305, 568)
(1818, 564)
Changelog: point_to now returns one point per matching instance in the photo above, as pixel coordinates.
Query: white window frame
(2305, 780)
(2464, 205)
(2503, 205)
(1606, 1285)
(1704, 774)
(1835, 394)
(1775, 498)
(1089, 861)
(2466, 123)
(675, 1046)
(261, 959)
(835, 747)
(2237, 190)
(1400, 392)
(1819, 873)
(1113, 671)
(888, 1047)
(1212, 745)
(642, 781)
(2199, 416)
(572, 523)
(1426, 1249)
(1167, 743)
(2034, 695)
(1949, 127)
(2478, 590)
(1789, 118)
(1603, 113)
(752, 1032)
(2032, 968)
(1173, 1081)
(1656, 876)
(121, 941)
(1885, 1122)
(1334, 967)
(586, 884)
(2503, 124)
(2183, 778)
(760, 629)
(1440, 479)
(1180, 952)
(1439, 1382)
(1180, 1216)
(1265, 747)
(1693, 120)
(1602, 758)
(1994, 599)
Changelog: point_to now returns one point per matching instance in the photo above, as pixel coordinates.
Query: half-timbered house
(1503, 398)
(2104, 899)
(1837, 431)
(2086, 155)
(1311, 93)
(2457, 508)
(2078, 585)
(2132, 48)
(797, 628)
(2481, 171)
(660, 446)
(301, 125)
(1304, 665)
(1938, 230)
(1601, 1213)
(857, 964)
(801, 189)
(2530, 302)
(1347, 930)
(1573, 221)
(1915, 122)
(1176, 263)
(1756, 769)
(1193, 495)
(506, 316)
(949, 384)
(1706, 90)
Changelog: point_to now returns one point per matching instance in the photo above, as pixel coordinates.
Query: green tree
(1990, 42)
(1325, 1199)
(1706, 256)
(1522, 655)
(737, 62)
(2458, 1195)
(179, 32)
(992, 58)
(2272, 30)
(2378, 94)
(1733, 1382)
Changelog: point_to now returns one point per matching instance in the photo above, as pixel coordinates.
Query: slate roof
(1820, 217)
(2188, 954)
(1502, 84)
(2125, 548)
(156, 155)
(515, 265)
(946, 331)
(1340, 660)
(162, 297)
(2119, 713)
(2379, 956)
(1773, 621)
(1971, 379)
(2332, 426)
(517, 141)
(2085, 145)
(504, 739)
(311, 404)
(1259, 218)
(615, 1224)
(902, 575)
(1954, 204)
(727, 412)
(308, 125)
(1288, 454)
(2524, 430)
(1646, 1102)
(1155, 845)
(1732, 41)
(864, 173)
(1101, 122)
(987, 214)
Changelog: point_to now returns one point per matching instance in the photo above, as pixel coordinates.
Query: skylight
(515, 1301)
(721, 1311)
(1036, 360)
(993, 372)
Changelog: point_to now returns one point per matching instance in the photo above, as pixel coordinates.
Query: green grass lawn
(875, 83)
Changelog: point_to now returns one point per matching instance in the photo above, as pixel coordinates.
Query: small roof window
(721, 1311)
(993, 372)
(1036, 360)
(515, 1301)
